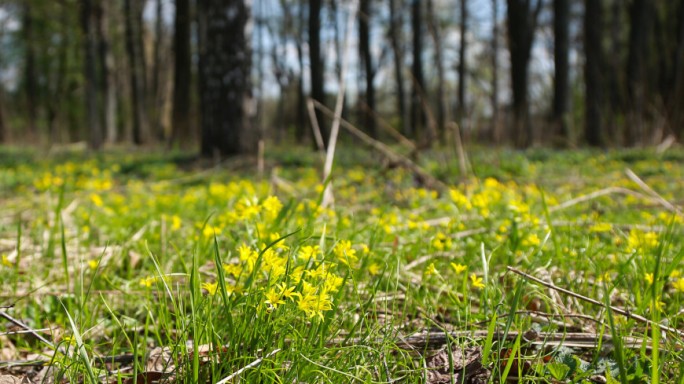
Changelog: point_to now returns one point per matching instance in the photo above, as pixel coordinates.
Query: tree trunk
(182, 75)
(561, 48)
(615, 81)
(592, 72)
(462, 75)
(677, 121)
(367, 67)
(134, 53)
(316, 63)
(522, 23)
(90, 66)
(30, 73)
(301, 128)
(158, 71)
(224, 72)
(436, 33)
(108, 79)
(418, 88)
(496, 127)
(395, 40)
(640, 19)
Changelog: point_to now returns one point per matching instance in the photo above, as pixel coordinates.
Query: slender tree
(418, 88)
(316, 63)
(158, 72)
(224, 71)
(182, 75)
(108, 77)
(592, 72)
(640, 24)
(30, 70)
(496, 131)
(561, 49)
(462, 65)
(367, 66)
(300, 130)
(395, 28)
(137, 79)
(88, 22)
(436, 33)
(522, 17)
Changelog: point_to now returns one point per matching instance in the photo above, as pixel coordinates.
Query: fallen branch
(246, 367)
(620, 311)
(429, 180)
(595, 195)
(27, 328)
(633, 176)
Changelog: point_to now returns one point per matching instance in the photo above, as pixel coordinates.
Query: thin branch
(633, 176)
(248, 366)
(429, 180)
(26, 327)
(335, 129)
(620, 311)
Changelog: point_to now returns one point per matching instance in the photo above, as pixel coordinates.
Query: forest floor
(547, 266)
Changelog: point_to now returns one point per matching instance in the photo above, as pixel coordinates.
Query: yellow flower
(307, 252)
(211, 288)
(232, 269)
(476, 281)
(532, 240)
(272, 206)
(601, 227)
(211, 231)
(458, 268)
(93, 264)
(175, 223)
(147, 282)
(675, 274)
(431, 270)
(345, 253)
(648, 277)
(679, 284)
(441, 241)
(273, 298)
(332, 283)
(605, 277)
(374, 269)
(286, 292)
(6, 261)
(96, 199)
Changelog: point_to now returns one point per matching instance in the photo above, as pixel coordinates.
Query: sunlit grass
(198, 274)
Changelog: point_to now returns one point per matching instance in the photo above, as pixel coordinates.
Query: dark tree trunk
(395, 40)
(418, 88)
(107, 78)
(561, 48)
(436, 33)
(224, 71)
(316, 63)
(677, 120)
(30, 72)
(615, 83)
(367, 66)
(640, 23)
(496, 127)
(94, 127)
(56, 89)
(462, 75)
(301, 128)
(522, 23)
(182, 76)
(136, 70)
(158, 71)
(592, 72)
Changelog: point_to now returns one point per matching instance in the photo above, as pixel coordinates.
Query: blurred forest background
(220, 75)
